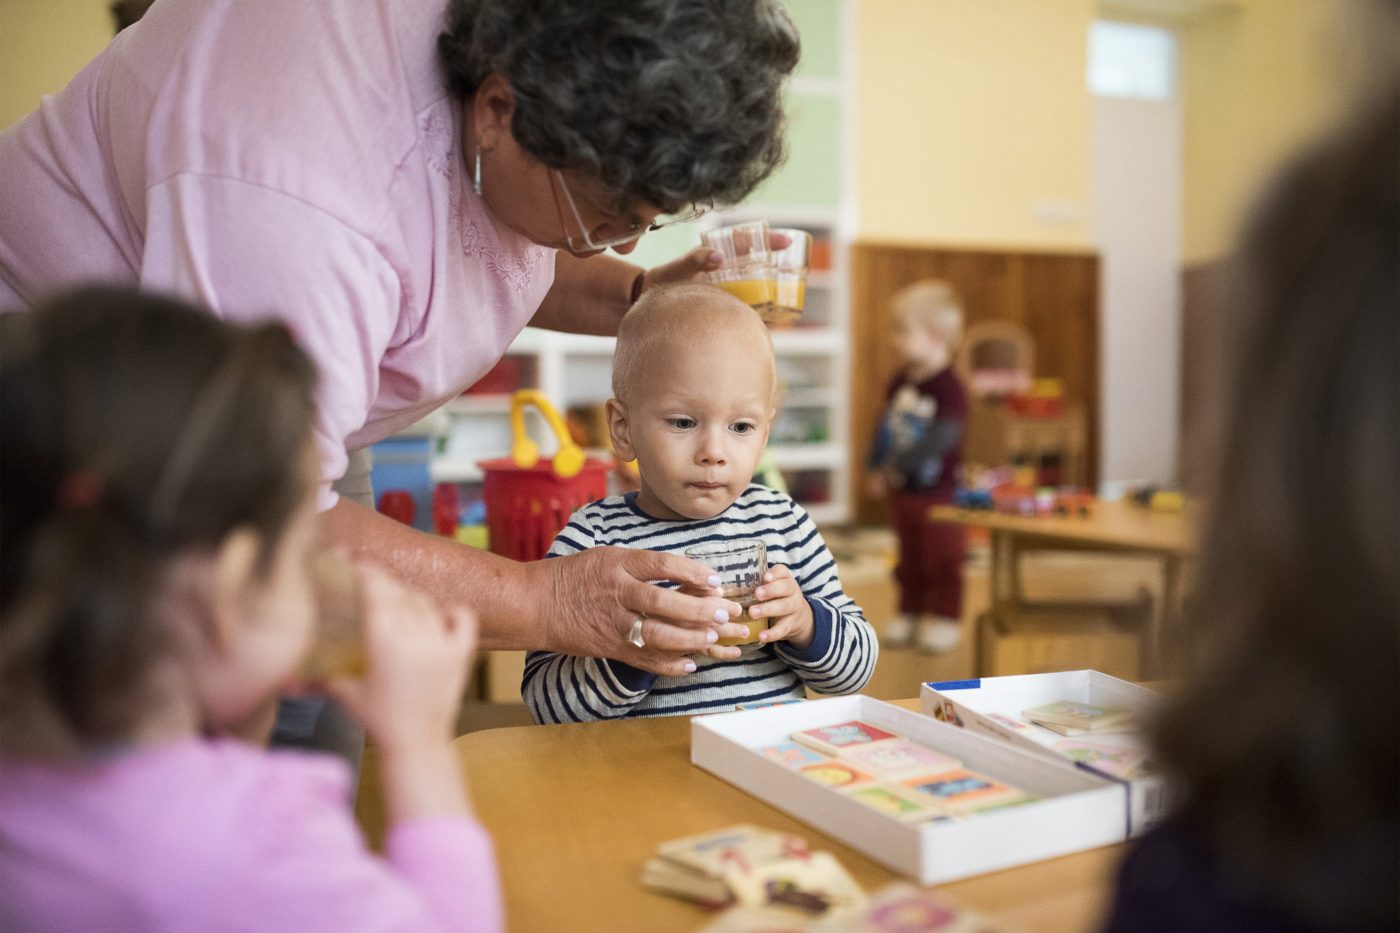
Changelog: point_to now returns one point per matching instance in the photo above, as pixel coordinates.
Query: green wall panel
(819, 22)
(812, 174)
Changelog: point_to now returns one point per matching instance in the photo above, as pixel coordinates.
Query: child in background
(693, 385)
(159, 519)
(916, 454)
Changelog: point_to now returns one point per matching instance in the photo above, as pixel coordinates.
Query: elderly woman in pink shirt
(408, 184)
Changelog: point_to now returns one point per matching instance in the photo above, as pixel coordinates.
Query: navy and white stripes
(840, 659)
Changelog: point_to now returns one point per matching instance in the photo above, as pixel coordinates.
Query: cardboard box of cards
(1084, 717)
(928, 800)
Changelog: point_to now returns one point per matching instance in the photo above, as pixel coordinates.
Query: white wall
(1137, 175)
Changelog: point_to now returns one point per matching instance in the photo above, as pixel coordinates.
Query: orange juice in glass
(338, 645)
(740, 565)
(790, 266)
(747, 268)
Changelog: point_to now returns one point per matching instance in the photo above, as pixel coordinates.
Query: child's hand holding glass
(781, 602)
(417, 658)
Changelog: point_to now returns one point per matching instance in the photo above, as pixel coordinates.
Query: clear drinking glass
(790, 265)
(338, 645)
(747, 272)
(740, 566)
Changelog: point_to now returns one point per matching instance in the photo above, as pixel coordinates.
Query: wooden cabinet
(1053, 296)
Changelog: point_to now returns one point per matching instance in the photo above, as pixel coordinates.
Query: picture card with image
(1118, 760)
(813, 885)
(837, 774)
(961, 791)
(899, 757)
(895, 802)
(832, 739)
(739, 847)
(791, 755)
(1080, 716)
(904, 908)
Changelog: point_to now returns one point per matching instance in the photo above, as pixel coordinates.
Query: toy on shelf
(398, 505)
(1156, 498)
(1002, 489)
(471, 525)
(529, 499)
(1045, 399)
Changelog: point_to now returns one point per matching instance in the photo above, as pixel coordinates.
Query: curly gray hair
(666, 101)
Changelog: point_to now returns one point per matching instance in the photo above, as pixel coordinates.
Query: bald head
(683, 318)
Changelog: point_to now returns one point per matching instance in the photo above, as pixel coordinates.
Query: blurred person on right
(1284, 737)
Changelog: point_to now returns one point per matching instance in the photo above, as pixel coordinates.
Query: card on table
(899, 757)
(831, 740)
(1118, 760)
(837, 774)
(742, 919)
(678, 880)
(791, 755)
(1080, 716)
(903, 908)
(961, 791)
(738, 847)
(812, 885)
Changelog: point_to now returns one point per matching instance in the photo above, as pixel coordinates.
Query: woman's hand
(696, 264)
(590, 600)
(780, 600)
(418, 658)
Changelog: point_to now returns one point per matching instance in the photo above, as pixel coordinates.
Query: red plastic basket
(528, 500)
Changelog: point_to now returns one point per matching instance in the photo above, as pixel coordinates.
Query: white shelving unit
(810, 442)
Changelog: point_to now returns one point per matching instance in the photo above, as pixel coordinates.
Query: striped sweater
(840, 659)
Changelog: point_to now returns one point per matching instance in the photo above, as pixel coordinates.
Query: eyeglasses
(614, 233)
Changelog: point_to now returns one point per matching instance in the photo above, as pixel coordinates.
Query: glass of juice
(790, 265)
(740, 566)
(338, 644)
(747, 272)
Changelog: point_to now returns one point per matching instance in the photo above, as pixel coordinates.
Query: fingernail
(714, 580)
(760, 594)
(721, 615)
(768, 577)
(712, 636)
(716, 258)
(690, 667)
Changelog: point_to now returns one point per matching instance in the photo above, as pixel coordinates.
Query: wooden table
(1112, 526)
(576, 809)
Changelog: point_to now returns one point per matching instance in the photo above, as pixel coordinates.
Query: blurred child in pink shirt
(159, 491)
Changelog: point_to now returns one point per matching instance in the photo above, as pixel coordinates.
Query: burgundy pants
(930, 559)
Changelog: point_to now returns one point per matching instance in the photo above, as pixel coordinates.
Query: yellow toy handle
(568, 462)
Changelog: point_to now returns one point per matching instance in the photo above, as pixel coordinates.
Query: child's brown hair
(1287, 736)
(135, 428)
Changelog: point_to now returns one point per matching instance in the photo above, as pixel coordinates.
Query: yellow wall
(969, 115)
(972, 114)
(1256, 80)
(43, 44)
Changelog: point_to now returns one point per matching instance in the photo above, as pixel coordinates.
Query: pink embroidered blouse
(291, 160)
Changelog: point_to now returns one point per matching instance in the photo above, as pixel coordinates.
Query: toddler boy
(693, 385)
(916, 453)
